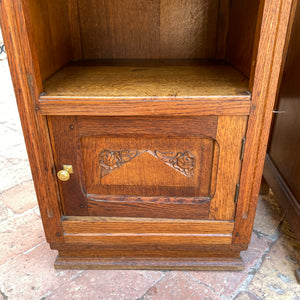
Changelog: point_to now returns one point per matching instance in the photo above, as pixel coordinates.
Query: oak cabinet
(146, 124)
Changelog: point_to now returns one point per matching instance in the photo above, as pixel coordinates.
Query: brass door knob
(64, 174)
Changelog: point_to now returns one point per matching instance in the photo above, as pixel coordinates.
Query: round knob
(63, 175)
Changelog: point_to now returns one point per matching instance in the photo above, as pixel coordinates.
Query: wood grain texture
(143, 225)
(148, 81)
(158, 88)
(155, 238)
(151, 185)
(75, 30)
(204, 126)
(223, 27)
(64, 140)
(149, 250)
(180, 253)
(34, 127)
(148, 29)
(290, 28)
(168, 106)
(124, 29)
(231, 131)
(158, 166)
(50, 30)
(220, 166)
(242, 26)
(146, 174)
(188, 28)
(267, 73)
(142, 199)
(191, 264)
(256, 43)
(144, 209)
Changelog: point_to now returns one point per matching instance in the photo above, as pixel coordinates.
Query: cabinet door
(149, 167)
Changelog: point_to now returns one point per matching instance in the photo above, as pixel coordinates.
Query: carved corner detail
(110, 160)
(183, 162)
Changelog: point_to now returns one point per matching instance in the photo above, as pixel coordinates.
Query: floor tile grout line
(20, 143)
(154, 284)
(44, 297)
(9, 210)
(16, 215)
(77, 275)
(23, 214)
(200, 282)
(34, 247)
(252, 272)
(3, 158)
(3, 295)
(18, 184)
(15, 130)
(244, 285)
(20, 254)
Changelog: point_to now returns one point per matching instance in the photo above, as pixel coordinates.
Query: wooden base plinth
(191, 264)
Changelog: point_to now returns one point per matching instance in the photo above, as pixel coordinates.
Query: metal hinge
(243, 149)
(237, 192)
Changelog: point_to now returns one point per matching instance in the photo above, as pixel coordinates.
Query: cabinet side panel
(242, 25)
(270, 56)
(223, 26)
(34, 128)
(75, 29)
(50, 30)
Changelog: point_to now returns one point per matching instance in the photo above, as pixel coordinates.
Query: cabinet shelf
(138, 87)
(146, 79)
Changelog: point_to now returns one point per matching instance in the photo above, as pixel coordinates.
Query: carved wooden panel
(184, 162)
(148, 167)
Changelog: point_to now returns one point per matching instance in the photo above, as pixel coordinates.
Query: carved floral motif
(184, 162)
(110, 160)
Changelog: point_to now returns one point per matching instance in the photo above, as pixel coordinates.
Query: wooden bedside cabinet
(146, 124)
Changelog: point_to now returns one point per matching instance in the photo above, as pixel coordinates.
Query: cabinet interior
(144, 48)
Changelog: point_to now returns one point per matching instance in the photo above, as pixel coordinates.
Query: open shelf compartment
(142, 49)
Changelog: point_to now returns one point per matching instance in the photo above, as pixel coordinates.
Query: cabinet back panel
(148, 29)
(49, 26)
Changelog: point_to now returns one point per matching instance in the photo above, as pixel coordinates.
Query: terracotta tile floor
(26, 261)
